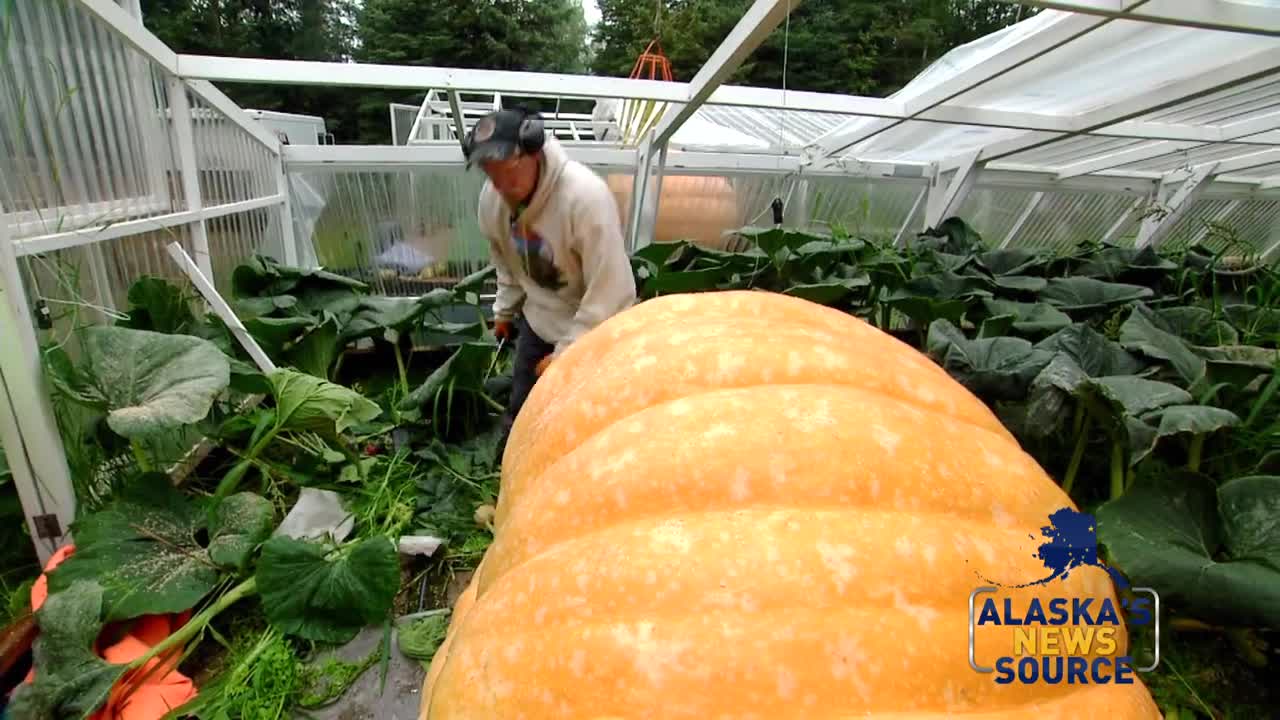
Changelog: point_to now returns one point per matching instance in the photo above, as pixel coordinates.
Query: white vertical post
(28, 428)
(285, 212)
(184, 138)
(640, 188)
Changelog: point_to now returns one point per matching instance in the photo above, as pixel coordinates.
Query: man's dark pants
(529, 350)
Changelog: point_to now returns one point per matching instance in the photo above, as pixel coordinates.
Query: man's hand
(542, 366)
(503, 330)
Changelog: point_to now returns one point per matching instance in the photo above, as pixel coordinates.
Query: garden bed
(1144, 383)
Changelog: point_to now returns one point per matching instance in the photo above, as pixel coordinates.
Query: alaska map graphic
(1072, 543)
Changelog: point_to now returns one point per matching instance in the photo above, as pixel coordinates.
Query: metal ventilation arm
(1204, 14)
(760, 20)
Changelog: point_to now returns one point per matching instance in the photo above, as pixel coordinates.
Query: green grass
(1203, 676)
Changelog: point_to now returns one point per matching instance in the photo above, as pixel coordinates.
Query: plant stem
(140, 455)
(233, 478)
(197, 623)
(1195, 452)
(404, 376)
(1077, 455)
(1117, 469)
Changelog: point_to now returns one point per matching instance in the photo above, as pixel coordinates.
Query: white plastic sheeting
(1113, 62)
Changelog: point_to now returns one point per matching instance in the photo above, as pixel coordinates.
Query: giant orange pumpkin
(747, 505)
(691, 207)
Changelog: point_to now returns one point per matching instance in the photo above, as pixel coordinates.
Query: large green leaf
(465, 370)
(1257, 324)
(240, 522)
(1083, 293)
(144, 549)
(1115, 263)
(1029, 317)
(1146, 333)
(1184, 419)
(998, 368)
(1010, 261)
(1197, 325)
(1212, 551)
(952, 235)
(326, 594)
(276, 335)
(147, 382)
(158, 305)
(307, 402)
(1136, 396)
(1093, 352)
(317, 350)
(263, 276)
(940, 295)
(71, 681)
(388, 317)
(1020, 283)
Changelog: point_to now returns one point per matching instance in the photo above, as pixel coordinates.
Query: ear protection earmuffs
(532, 131)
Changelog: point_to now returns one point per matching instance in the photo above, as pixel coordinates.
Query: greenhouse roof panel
(1093, 72)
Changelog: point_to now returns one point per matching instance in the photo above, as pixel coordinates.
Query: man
(556, 240)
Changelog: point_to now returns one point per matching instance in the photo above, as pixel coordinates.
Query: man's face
(514, 177)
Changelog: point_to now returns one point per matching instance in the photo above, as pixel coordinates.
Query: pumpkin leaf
(1183, 419)
(278, 334)
(1115, 263)
(994, 368)
(71, 680)
(942, 295)
(1258, 325)
(828, 292)
(143, 547)
(471, 284)
(385, 316)
(147, 382)
(1212, 550)
(1020, 283)
(251, 308)
(159, 306)
(315, 352)
(464, 370)
(952, 235)
(449, 334)
(1194, 419)
(1092, 351)
(1084, 293)
(1146, 333)
(1009, 261)
(1136, 396)
(239, 523)
(307, 402)
(1197, 325)
(262, 275)
(1029, 317)
(317, 592)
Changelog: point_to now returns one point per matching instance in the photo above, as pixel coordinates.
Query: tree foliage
(868, 47)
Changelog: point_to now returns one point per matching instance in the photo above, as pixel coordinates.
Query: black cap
(497, 136)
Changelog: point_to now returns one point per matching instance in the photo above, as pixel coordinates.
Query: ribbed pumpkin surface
(745, 505)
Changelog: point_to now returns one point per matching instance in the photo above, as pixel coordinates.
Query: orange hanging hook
(652, 65)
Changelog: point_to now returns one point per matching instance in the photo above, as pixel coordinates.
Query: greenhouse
(882, 349)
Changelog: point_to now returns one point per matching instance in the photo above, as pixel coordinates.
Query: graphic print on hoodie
(536, 256)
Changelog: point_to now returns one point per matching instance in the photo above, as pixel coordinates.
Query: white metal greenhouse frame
(1103, 107)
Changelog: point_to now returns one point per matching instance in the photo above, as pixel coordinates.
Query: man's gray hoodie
(564, 261)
